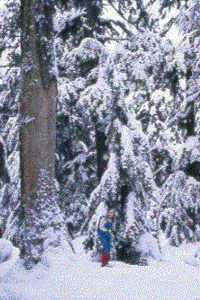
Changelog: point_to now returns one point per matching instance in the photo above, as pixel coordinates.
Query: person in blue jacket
(106, 224)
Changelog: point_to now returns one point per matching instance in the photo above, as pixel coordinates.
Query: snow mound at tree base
(149, 246)
(8, 256)
(192, 261)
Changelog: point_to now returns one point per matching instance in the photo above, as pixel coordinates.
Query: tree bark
(38, 134)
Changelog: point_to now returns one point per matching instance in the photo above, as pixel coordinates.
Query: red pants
(105, 259)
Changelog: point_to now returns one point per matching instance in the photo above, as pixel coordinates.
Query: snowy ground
(77, 278)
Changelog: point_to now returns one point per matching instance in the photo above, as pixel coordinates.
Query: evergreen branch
(122, 26)
(193, 96)
(9, 113)
(10, 47)
(118, 11)
(9, 66)
(158, 170)
(122, 16)
(167, 27)
(107, 23)
(107, 38)
(119, 5)
(151, 2)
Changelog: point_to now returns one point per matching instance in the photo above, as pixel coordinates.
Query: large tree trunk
(38, 134)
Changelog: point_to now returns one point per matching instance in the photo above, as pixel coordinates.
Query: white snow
(149, 246)
(76, 277)
(8, 256)
(5, 249)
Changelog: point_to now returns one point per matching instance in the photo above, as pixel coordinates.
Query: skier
(106, 224)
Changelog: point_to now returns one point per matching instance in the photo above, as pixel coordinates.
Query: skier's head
(111, 214)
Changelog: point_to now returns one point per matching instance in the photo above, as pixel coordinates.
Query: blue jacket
(104, 228)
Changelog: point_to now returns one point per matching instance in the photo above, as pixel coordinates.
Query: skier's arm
(108, 225)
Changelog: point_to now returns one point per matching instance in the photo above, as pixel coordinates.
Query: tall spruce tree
(40, 212)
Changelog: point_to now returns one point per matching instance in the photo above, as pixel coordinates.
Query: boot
(104, 259)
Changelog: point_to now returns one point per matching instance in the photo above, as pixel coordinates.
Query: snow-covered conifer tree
(9, 114)
(127, 184)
